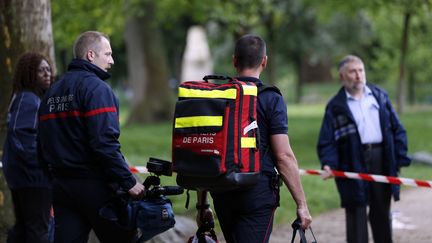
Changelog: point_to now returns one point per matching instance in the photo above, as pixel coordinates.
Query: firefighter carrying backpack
(215, 135)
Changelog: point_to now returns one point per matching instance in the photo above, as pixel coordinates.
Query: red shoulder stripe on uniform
(60, 115)
(100, 110)
(77, 113)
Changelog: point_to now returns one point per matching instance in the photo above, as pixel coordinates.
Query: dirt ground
(412, 219)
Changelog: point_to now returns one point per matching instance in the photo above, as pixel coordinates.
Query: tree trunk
(271, 52)
(411, 88)
(298, 63)
(137, 69)
(149, 76)
(299, 87)
(402, 86)
(6, 209)
(25, 25)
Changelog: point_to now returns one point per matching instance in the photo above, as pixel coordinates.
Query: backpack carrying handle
(217, 77)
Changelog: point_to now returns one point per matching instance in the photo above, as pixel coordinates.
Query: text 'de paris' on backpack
(215, 134)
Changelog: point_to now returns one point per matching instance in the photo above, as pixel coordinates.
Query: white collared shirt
(366, 115)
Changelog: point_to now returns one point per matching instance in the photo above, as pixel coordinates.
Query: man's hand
(327, 173)
(305, 217)
(137, 190)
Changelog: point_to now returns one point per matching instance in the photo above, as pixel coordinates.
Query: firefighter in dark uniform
(78, 132)
(247, 215)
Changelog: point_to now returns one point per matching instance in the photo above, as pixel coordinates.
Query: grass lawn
(141, 142)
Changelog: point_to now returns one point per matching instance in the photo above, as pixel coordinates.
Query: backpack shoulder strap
(264, 87)
(261, 89)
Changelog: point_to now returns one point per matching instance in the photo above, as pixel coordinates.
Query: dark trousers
(76, 206)
(379, 206)
(32, 213)
(247, 216)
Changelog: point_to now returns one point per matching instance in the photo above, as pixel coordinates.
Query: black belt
(369, 146)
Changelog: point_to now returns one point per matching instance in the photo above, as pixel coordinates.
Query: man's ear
(234, 61)
(264, 62)
(90, 55)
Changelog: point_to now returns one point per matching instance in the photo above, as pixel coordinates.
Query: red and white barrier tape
(133, 169)
(336, 173)
(138, 169)
(372, 177)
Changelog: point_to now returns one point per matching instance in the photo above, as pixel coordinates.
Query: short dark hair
(26, 71)
(249, 51)
(88, 40)
(347, 59)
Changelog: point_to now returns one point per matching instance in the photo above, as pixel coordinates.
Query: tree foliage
(70, 18)
(152, 97)
(298, 32)
(392, 57)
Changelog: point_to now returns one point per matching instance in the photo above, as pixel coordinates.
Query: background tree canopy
(305, 38)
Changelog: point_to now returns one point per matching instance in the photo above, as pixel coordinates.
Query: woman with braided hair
(28, 181)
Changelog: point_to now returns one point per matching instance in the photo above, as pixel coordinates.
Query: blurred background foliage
(305, 40)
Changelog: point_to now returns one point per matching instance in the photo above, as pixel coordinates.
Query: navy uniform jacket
(339, 145)
(79, 127)
(272, 120)
(20, 165)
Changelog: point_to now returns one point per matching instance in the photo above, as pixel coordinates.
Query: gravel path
(412, 219)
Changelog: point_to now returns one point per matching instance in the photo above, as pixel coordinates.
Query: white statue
(197, 60)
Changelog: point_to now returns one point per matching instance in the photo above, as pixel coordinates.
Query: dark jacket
(20, 165)
(272, 120)
(79, 127)
(339, 145)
